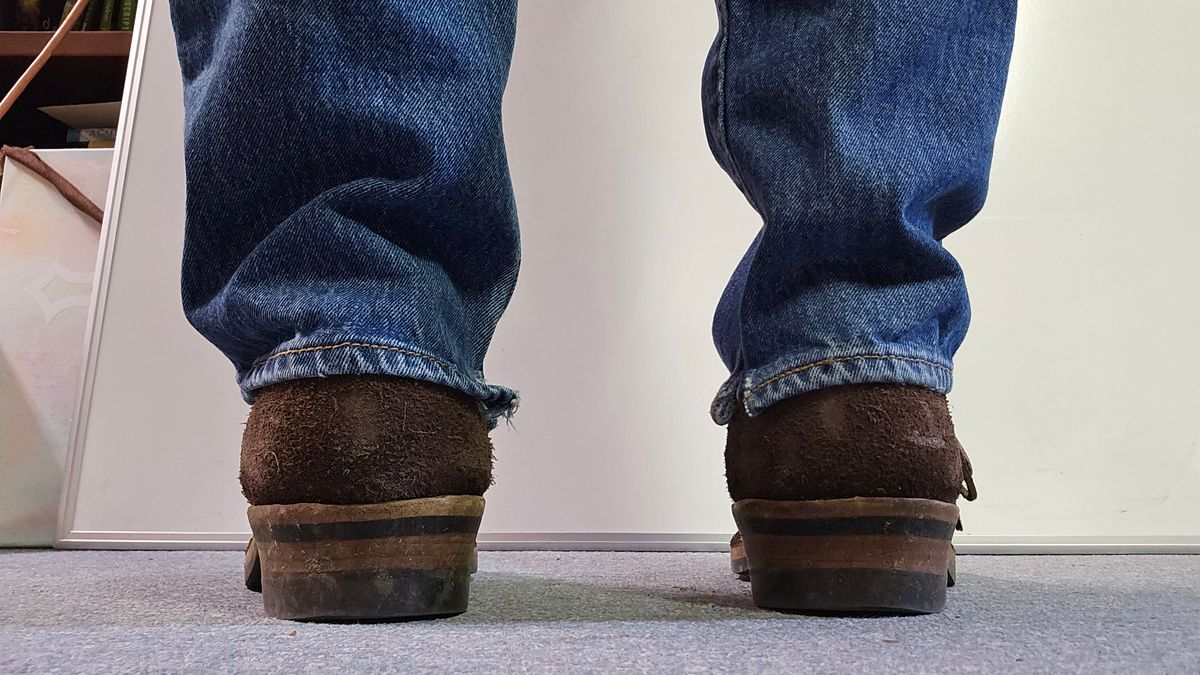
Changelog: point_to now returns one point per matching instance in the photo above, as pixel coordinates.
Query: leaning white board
(1077, 393)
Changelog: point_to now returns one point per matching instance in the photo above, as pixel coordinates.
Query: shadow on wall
(29, 483)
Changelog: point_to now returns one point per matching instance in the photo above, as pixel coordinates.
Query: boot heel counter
(848, 441)
(363, 439)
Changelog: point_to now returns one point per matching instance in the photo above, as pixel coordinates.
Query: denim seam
(723, 105)
(357, 345)
(826, 362)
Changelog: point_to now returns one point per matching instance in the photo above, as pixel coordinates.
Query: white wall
(1076, 393)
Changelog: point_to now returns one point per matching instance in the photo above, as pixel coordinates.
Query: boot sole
(854, 556)
(738, 563)
(252, 568)
(364, 562)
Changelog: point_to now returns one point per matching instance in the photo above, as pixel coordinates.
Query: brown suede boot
(845, 499)
(366, 496)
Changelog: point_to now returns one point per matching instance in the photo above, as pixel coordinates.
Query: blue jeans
(349, 206)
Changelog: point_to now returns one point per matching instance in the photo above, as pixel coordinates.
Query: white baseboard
(626, 541)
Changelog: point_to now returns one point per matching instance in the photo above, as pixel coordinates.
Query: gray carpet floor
(77, 611)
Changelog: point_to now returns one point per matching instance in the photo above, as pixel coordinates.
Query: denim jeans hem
(347, 355)
(760, 388)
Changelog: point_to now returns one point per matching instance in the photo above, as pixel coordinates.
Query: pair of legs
(350, 214)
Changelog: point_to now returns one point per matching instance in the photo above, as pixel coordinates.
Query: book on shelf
(107, 13)
(47, 15)
(91, 16)
(126, 10)
(67, 7)
(99, 134)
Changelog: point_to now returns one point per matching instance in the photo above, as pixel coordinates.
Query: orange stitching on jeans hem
(828, 362)
(343, 345)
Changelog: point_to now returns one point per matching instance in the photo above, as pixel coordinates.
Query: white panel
(1076, 393)
(47, 261)
(156, 449)
(1077, 390)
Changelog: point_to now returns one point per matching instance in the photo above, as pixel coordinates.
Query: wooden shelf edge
(27, 44)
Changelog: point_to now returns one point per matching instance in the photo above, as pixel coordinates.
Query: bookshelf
(88, 67)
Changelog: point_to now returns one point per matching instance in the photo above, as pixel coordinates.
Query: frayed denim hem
(315, 356)
(760, 388)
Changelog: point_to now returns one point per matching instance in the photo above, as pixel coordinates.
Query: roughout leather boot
(366, 496)
(845, 500)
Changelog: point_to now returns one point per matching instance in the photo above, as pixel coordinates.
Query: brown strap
(67, 189)
(967, 490)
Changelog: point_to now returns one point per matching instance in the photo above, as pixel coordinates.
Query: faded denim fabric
(862, 132)
(349, 206)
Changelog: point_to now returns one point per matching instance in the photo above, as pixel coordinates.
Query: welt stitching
(361, 345)
(843, 359)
